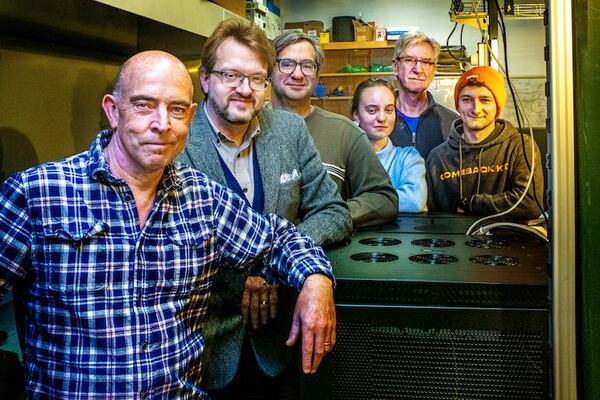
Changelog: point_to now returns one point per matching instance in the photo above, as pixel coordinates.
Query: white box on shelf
(394, 32)
(257, 18)
(272, 25)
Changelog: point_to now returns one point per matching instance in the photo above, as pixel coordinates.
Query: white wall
(525, 38)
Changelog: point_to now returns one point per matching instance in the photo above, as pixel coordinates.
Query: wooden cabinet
(340, 55)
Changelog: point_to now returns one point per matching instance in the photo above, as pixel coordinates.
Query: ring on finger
(264, 303)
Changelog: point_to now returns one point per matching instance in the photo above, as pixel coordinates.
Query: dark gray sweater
(493, 173)
(354, 167)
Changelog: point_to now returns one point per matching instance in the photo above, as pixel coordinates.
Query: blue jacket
(296, 187)
(407, 172)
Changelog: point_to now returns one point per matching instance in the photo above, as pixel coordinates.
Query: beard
(227, 116)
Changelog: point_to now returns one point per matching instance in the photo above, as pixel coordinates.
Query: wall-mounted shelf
(358, 45)
(334, 74)
(339, 55)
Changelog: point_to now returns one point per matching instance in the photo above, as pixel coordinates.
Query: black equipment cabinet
(425, 312)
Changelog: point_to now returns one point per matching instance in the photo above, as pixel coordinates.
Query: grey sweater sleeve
(324, 215)
(372, 199)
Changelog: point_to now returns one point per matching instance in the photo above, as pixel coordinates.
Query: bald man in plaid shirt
(114, 250)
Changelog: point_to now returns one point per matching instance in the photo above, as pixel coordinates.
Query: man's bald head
(149, 112)
(151, 61)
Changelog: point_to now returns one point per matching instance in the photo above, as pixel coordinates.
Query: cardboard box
(364, 32)
(311, 28)
(236, 6)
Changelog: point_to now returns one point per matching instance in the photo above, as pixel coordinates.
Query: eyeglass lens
(288, 66)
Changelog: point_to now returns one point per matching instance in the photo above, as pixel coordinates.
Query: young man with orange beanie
(482, 168)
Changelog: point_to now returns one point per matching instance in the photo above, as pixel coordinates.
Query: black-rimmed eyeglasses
(234, 79)
(288, 66)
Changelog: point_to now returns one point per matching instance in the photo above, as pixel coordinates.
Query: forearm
(528, 208)
(373, 208)
(486, 204)
(330, 225)
(373, 200)
(294, 256)
(412, 199)
(410, 184)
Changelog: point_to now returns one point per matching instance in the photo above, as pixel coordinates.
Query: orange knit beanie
(488, 77)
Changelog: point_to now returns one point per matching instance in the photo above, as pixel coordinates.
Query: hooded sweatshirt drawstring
(460, 185)
(460, 169)
(479, 170)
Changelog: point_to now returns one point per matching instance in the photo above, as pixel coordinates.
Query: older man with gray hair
(420, 121)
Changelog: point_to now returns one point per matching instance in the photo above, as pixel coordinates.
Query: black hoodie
(484, 178)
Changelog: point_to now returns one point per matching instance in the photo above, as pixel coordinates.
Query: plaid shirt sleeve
(15, 231)
(243, 234)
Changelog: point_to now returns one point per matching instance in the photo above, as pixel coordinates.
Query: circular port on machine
(495, 261)
(381, 241)
(487, 243)
(433, 259)
(374, 257)
(433, 242)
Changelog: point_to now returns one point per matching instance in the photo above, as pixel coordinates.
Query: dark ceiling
(89, 25)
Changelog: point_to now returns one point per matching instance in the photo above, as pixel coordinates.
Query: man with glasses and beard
(420, 121)
(268, 158)
(344, 148)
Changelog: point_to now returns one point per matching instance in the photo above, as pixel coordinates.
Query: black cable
(462, 30)
(460, 60)
(517, 110)
(448, 43)
(485, 12)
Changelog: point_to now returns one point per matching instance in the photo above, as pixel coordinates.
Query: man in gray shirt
(344, 147)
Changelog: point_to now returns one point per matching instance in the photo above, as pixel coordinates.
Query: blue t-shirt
(412, 122)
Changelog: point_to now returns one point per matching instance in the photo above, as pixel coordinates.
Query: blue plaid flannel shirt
(112, 310)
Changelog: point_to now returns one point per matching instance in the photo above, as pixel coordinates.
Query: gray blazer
(296, 187)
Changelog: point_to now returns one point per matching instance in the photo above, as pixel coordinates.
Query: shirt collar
(389, 146)
(98, 167)
(252, 131)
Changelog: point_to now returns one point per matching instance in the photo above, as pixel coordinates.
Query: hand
(260, 300)
(463, 205)
(314, 315)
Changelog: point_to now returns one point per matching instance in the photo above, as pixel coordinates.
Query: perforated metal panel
(426, 353)
(451, 317)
